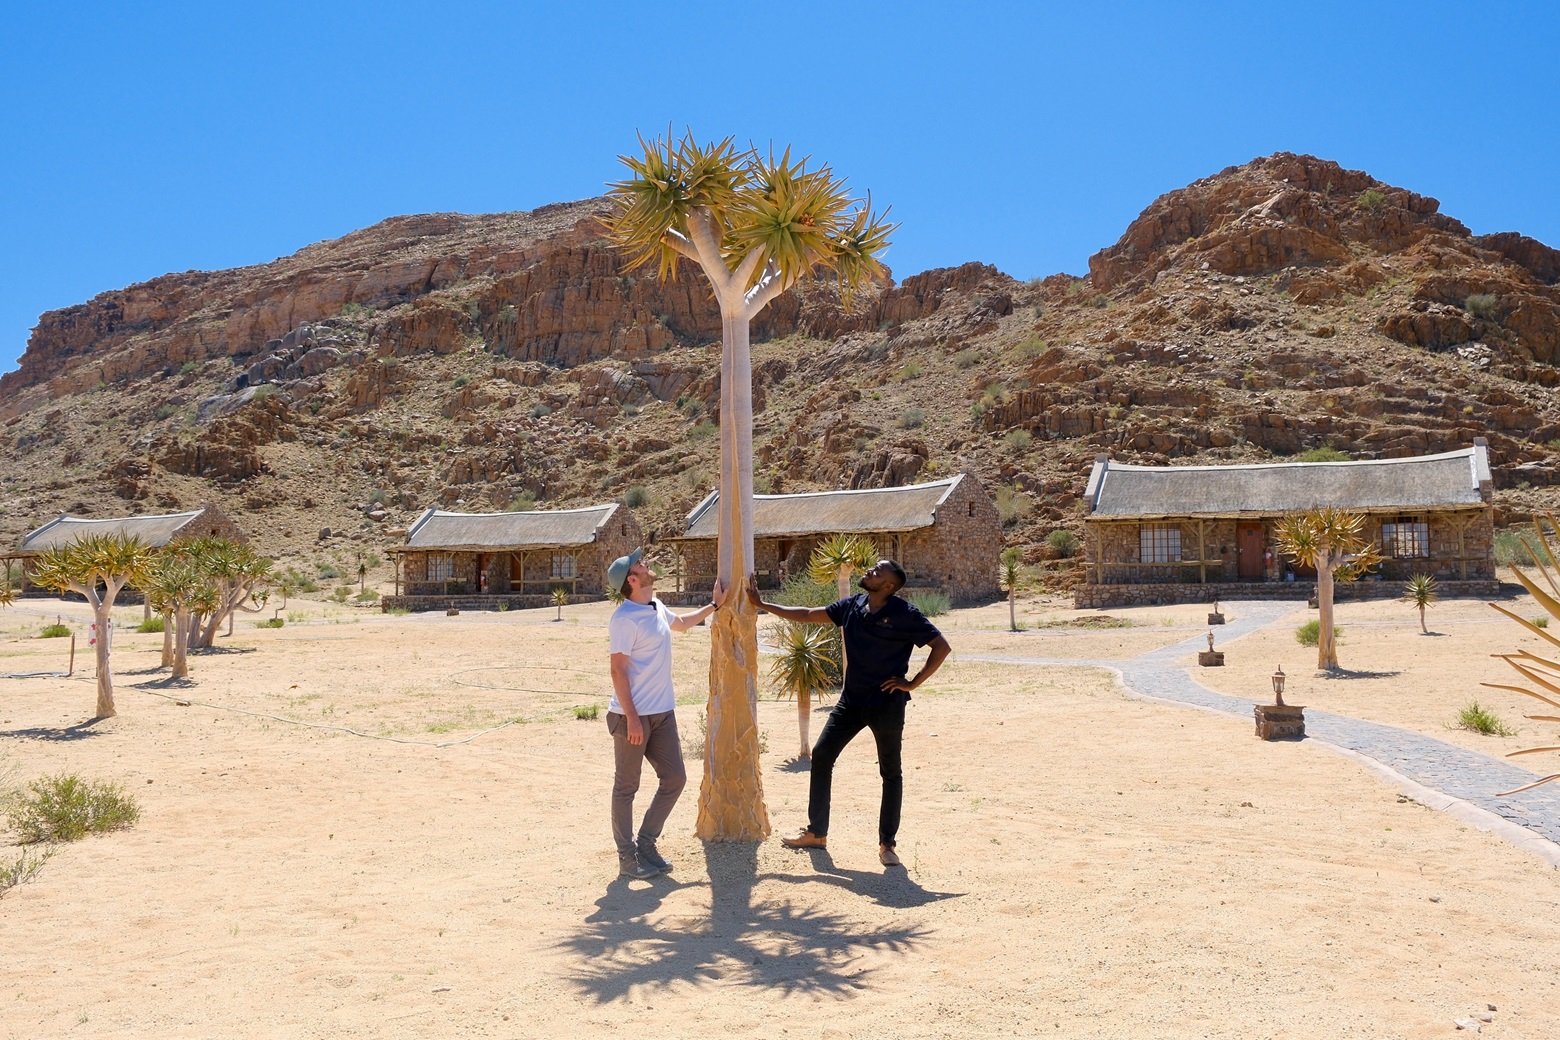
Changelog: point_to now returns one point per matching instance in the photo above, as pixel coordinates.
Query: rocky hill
(485, 362)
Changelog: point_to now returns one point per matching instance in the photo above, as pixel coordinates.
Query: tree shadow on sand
(770, 945)
(165, 683)
(1348, 673)
(80, 731)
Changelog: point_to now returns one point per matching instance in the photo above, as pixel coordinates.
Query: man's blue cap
(617, 573)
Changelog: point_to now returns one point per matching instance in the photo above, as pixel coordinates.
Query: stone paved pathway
(1441, 775)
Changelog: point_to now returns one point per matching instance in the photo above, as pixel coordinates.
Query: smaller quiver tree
(838, 557)
(1332, 541)
(1420, 591)
(804, 665)
(177, 588)
(1541, 672)
(236, 577)
(1012, 561)
(97, 567)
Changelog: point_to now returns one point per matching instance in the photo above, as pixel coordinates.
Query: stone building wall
(1462, 547)
(1152, 594)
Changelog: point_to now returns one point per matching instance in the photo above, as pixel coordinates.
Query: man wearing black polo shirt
(880, 630)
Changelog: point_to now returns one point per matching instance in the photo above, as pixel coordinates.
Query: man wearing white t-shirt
(641, 715)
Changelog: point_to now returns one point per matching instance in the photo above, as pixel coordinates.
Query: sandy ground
(369, 826)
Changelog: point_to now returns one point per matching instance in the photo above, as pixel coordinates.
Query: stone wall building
(484, 560)
(945, 533)
(1185, 534)
(156, 531)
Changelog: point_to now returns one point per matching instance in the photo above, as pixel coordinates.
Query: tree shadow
(80, 731)
(1348, 673)
(142, 671)
(207, 651)
(166, 683)
(769, 945)
(796, 765)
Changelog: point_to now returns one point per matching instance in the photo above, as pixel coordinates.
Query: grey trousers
(664, 752)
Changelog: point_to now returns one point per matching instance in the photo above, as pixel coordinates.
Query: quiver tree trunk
(731, 796)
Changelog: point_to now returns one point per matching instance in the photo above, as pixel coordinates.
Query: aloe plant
(1420, 590)
(804, 666)
(1542, 672)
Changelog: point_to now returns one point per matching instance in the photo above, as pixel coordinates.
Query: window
(563, 565)
(1159, 543)
(441, 566)
(1405, 538)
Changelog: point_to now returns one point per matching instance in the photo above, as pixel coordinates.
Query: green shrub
(54, 631)
(1018, 440)
(367, 596)
(1310, 633)
(151, 624)
(538, 410)
(461, 381)
(188, 367)
(1479, 719)
(1326, 454)
(703, 431)
(1516, 546)
(1541, 621)
(930, 602)
(1013, 504)
(276, 622)
(328, 571)
(911, 418)
(588, 714)
(23, 869)
(164, 410)
(1063, 542)
(341, 593)
(635, 497)
(911, 370)
(1481, 305)
(66, 807)
(1371, 200)
(966, 358)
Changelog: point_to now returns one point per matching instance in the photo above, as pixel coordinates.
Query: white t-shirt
(643, 631)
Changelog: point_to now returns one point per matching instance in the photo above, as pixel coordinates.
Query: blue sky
(154, 137)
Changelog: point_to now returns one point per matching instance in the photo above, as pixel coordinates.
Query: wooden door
(1251, 545)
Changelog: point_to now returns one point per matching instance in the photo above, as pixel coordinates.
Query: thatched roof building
(945, 533)
(1164, 534)
(503, 557)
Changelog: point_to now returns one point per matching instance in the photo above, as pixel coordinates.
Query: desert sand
(376, 826)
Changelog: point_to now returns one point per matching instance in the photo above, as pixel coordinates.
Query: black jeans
(887, 723)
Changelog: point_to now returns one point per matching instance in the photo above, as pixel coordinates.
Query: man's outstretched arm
(806, 615)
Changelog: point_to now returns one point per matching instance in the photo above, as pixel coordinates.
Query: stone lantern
(1280, 721)
(1210, 658)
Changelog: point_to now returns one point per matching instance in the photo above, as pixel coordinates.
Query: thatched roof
(155, 531)
(866, 511)
(496, 532)
(1455, 479)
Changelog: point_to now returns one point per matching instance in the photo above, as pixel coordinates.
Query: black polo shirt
(878, 646)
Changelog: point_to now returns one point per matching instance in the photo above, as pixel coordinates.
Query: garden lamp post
(1278, 686)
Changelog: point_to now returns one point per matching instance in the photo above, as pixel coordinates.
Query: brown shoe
(805, 840)
(888, 856)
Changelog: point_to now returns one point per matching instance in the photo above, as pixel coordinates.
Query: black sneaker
(634, 867)
(648, 853)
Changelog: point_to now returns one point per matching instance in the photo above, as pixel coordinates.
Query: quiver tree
(1540, 672)
(1420, 591)
(838, 557)
(754, 226)
(1011, 574)
(804, 665)
(1332, 541)
(96, 567)
(235, 575)
(176, 588)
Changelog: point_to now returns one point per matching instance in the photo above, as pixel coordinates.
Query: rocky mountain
(485, 362)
